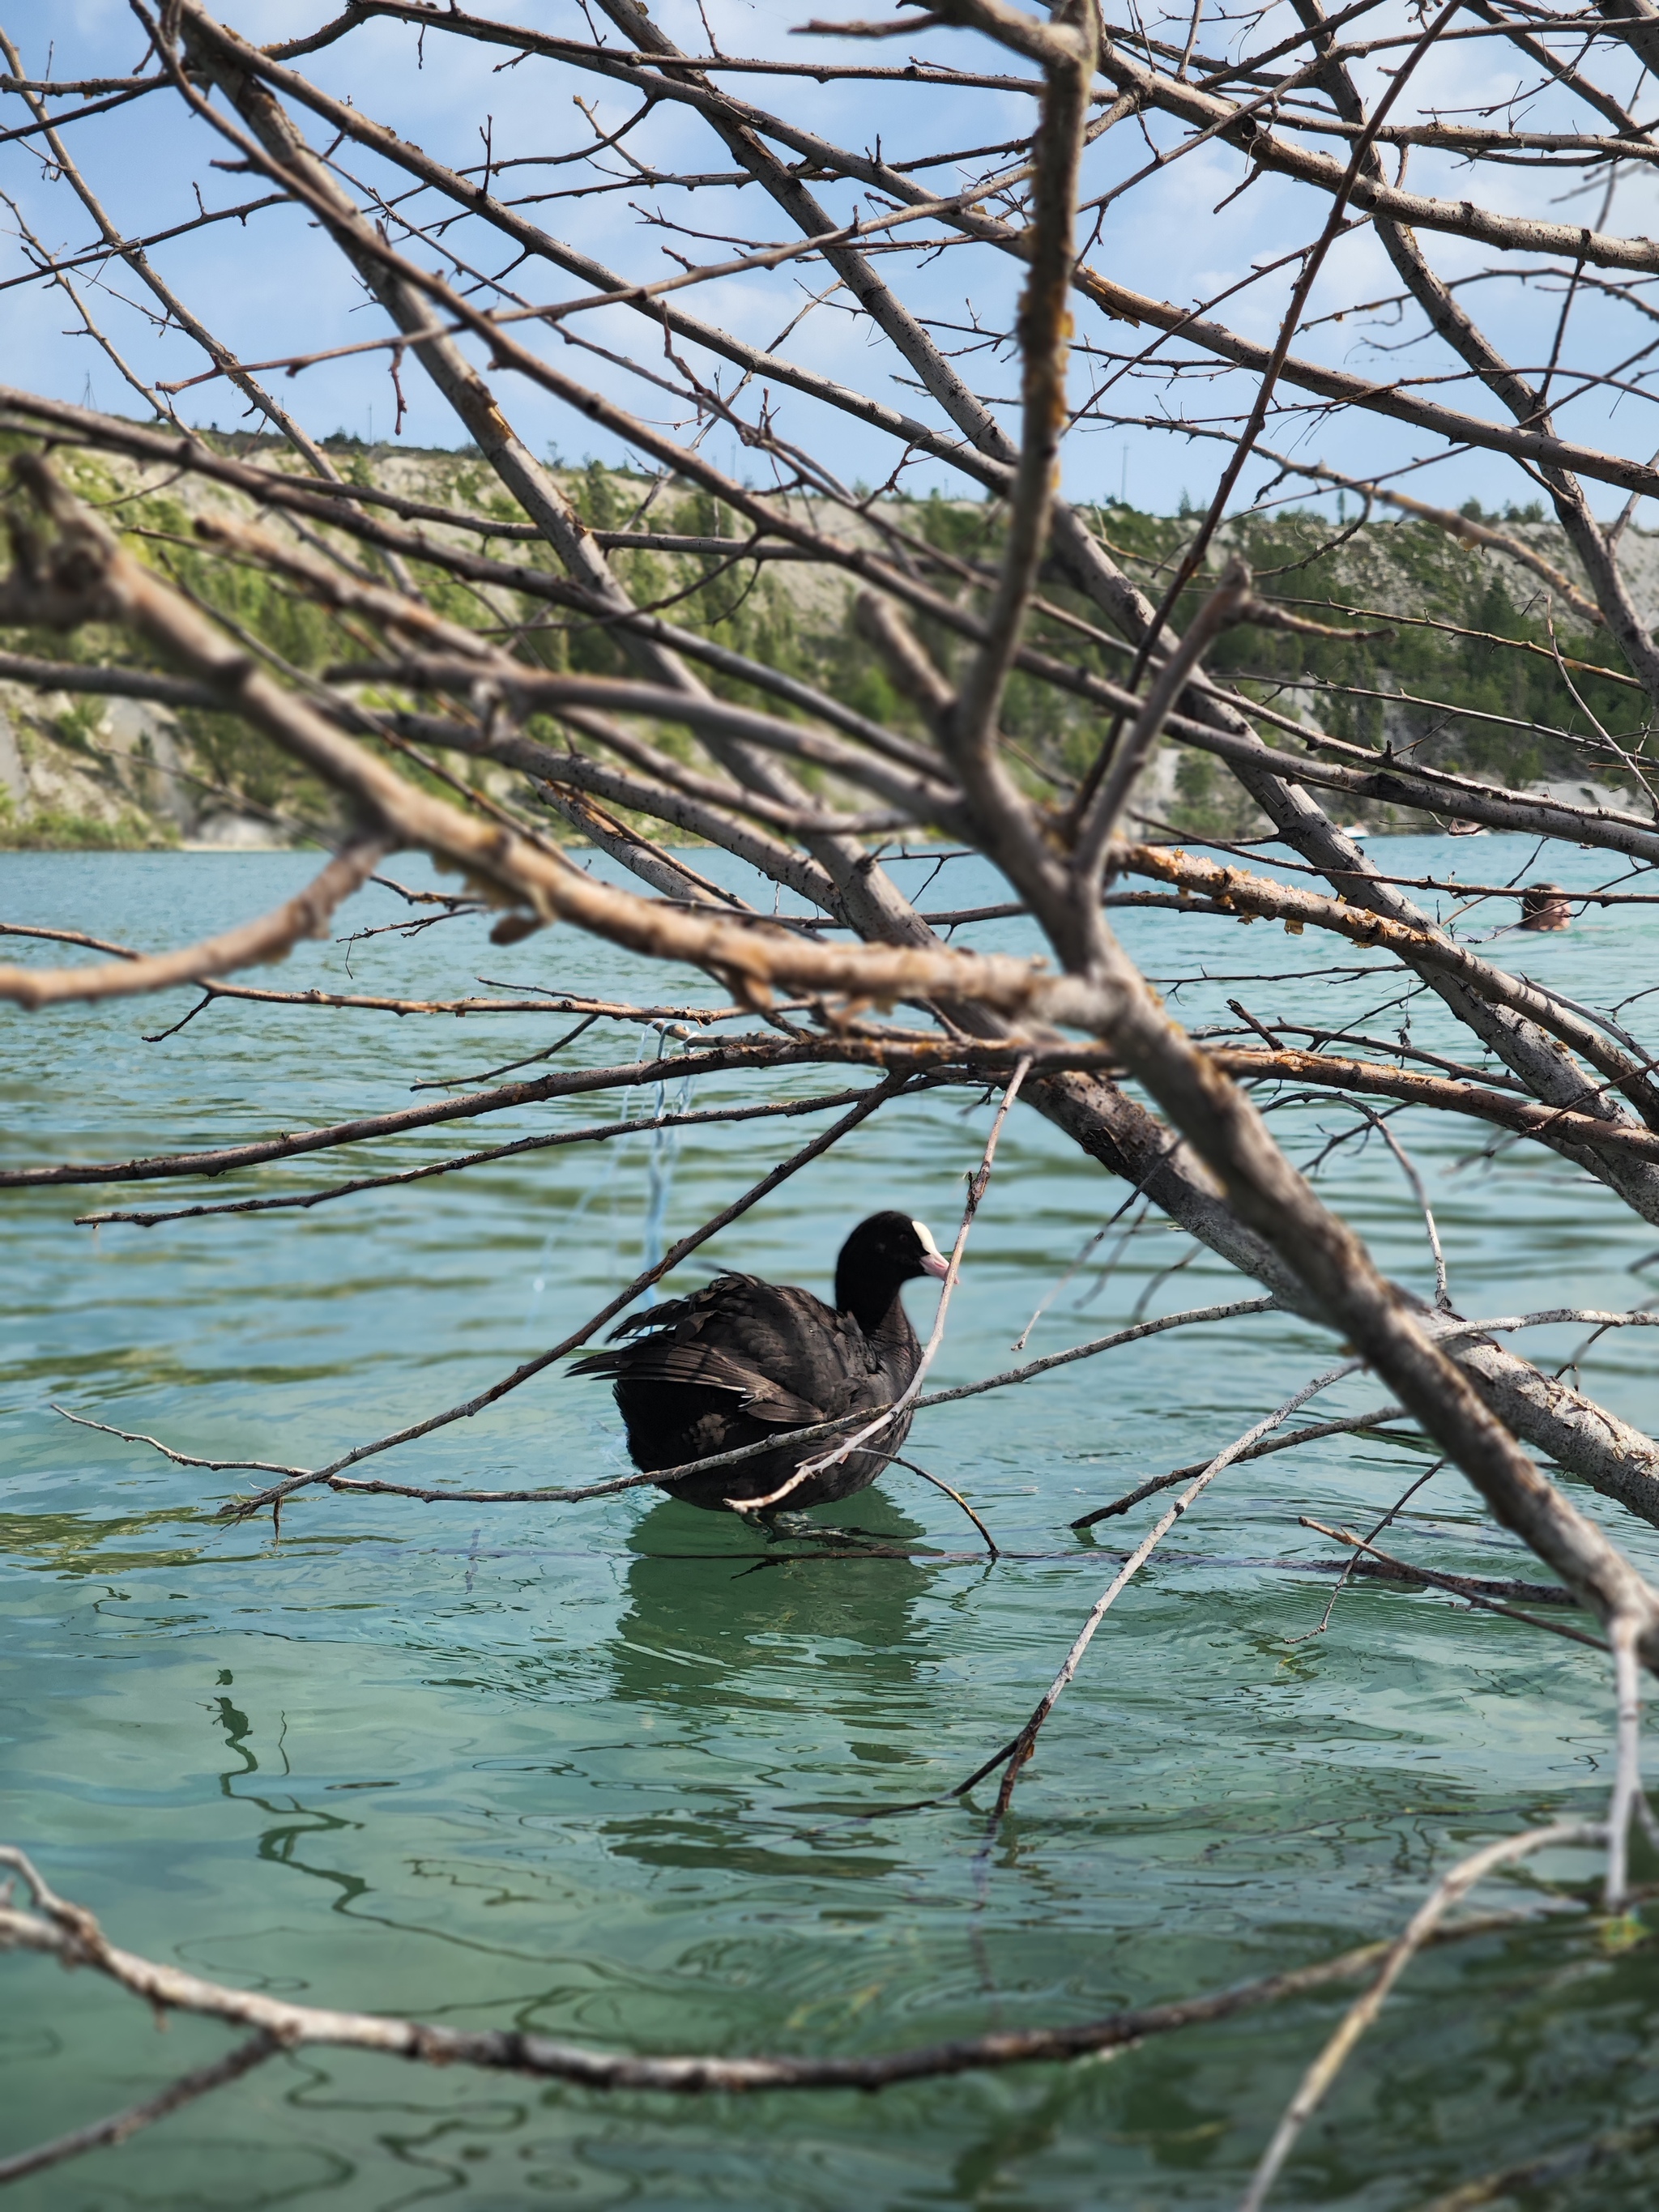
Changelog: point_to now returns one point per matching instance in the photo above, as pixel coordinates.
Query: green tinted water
(589, 1769)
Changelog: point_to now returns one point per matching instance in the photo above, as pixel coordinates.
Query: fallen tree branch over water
(56, 1928)
(442, 694)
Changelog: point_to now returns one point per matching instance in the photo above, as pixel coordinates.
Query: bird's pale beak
(935, 1263)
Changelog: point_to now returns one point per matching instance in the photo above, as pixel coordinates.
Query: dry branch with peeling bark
(689, 734)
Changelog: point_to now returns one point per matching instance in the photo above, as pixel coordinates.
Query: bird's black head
(882, 1254)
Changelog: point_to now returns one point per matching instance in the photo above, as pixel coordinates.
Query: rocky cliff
(93, 772)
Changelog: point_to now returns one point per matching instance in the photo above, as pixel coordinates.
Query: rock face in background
(1426, 612)
(14, 782)
(116, 773)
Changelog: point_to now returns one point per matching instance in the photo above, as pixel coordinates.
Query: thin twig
(1407, 1168)
(1350, 1424)
(735, 1457)
(271, 937)
(1358, 1558)
(1015, 1755)
(1512, 2182)
(594, 1133)
(1574, 1835)
(119, 2126)
(898, 1460)
(908, 1397)
(56, 1928)
(1458, 1585)
(297, 1479)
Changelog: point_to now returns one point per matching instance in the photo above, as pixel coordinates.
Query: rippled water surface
(617, 1771)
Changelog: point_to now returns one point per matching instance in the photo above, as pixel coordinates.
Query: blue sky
(274, 285)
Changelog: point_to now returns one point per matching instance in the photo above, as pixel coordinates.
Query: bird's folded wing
(695, 1307)
(705, 1366)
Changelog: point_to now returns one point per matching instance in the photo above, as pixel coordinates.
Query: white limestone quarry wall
(129, 775)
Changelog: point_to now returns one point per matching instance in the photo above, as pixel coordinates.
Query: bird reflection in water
(724, 1628)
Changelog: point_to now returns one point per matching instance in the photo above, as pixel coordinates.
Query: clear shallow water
(589, 1770)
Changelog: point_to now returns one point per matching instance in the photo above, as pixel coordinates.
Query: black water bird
(742, 1361)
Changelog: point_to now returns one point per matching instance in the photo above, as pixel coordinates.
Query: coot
(743, 1359)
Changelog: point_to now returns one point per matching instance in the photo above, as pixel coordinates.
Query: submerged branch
(69, 1933)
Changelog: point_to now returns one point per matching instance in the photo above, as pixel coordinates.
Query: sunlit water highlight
(592, 1769)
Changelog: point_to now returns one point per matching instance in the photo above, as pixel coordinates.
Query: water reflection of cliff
(781, 1665)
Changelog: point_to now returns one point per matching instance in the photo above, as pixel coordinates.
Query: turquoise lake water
(616, 1772)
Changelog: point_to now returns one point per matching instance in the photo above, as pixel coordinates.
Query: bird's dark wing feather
(792, 1358)
(745, 1362)
(703, 1366)
(694, 1307)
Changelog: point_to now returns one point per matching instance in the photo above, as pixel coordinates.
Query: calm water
(591, 1769)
